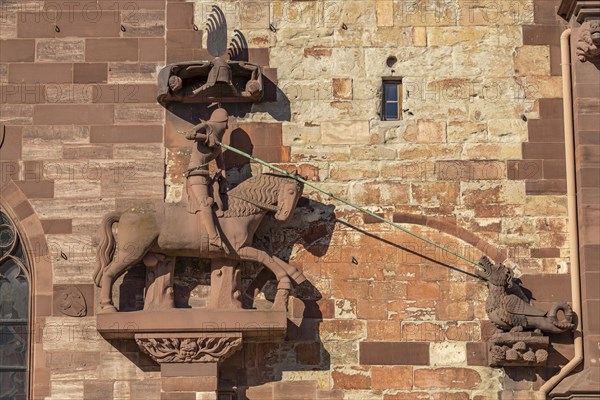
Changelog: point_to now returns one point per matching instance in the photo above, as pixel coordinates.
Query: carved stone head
(496, 274)
(289, 194)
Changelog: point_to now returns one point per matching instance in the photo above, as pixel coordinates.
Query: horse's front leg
(292, 271)
(284, 284)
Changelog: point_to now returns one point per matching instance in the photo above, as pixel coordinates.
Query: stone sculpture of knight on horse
(192, 230)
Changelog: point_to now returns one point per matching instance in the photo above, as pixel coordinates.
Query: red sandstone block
(40, 73)
(394, 353)
(111, 50)
(351, 378)
(125, 93)
(371, 309)
(36, 24)
(383, 330)
(460, 378)
(180, 15)
(455, 311)
(295, 390)
(151, 49)
(423, 290)
(126, 134)
(51, 114)
(308, 353)
(37, 189)
(57, 226)
(391, 377)
(86, 23)
(17, 50)
(90, 72)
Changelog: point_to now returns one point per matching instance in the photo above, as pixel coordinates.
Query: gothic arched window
(14, 313)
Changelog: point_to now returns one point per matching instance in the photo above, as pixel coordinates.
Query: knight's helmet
(220, 72)
(219, 115)
(496, 274)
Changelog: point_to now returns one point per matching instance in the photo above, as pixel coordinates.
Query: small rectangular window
(391, 103)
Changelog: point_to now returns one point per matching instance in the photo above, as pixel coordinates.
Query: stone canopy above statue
(213, 81)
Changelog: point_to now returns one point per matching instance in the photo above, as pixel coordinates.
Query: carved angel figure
(509, 309)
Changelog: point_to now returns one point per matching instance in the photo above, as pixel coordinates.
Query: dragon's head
(496, 274)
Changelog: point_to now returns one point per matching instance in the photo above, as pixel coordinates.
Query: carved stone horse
(172, 231)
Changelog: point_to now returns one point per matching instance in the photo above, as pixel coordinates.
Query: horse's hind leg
(126, 256)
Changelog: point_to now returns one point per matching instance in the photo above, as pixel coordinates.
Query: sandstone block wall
(475, 163)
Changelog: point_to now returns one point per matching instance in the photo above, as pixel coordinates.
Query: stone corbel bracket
(512, 349)
(189, 347)
(588, 41)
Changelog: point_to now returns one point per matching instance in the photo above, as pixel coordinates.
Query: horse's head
(289, 194)
(496, 274)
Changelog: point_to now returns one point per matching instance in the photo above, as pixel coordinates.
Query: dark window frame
(391, 81)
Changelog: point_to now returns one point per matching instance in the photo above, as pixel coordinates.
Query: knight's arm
(198, 132)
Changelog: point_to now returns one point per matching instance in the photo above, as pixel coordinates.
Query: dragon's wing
(514, 305)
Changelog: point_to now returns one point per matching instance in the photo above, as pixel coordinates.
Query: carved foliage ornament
(189, 350)
(588, 42)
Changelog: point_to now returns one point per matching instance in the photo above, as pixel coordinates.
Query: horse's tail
(106, 248)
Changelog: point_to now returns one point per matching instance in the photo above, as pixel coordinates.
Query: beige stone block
(543, 87)
(429, 151)
(3, 73)
(420, 36)
(16, 114)
(351, 171)
(408, 13)
(67, 208)
(77, 189)
(320, 377)
(137, 151)
(492, 151)
(345, 132)
(518, 12)
(254, 15)
(60, 50)
(40, 149)
(115, 365)
(466, 131)
(65, 390)
(58, 133)
(447, 353)
(132, 73)
(546, 206)
(427, 132)
(295, 15)
(374, 152)
(452, 35)
(507, 130)
(343, 352)
(139, 113)
(320, 153)
(315, 37)
(342, 88)
(532, 60)
(295, 134)
(332, 329)
(8, 27)
(385, 13)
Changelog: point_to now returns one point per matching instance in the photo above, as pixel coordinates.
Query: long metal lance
(307, 183)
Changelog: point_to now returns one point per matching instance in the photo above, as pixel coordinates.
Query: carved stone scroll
(189, 348)
(159, 282)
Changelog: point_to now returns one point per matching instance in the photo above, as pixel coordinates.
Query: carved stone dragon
(509, 309)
